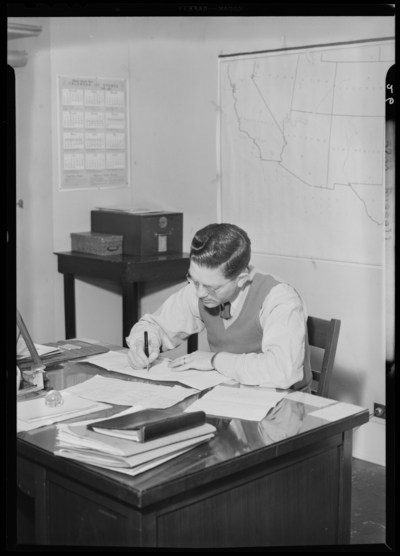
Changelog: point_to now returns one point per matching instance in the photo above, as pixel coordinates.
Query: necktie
(225, 310)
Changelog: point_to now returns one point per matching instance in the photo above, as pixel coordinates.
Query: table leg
(69, 306)
(345, 485)
(130, 308)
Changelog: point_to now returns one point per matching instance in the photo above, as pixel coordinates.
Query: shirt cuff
(138, 335)
(226, 364)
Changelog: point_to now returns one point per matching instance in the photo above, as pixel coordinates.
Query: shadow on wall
(158, 286)
(346, 386)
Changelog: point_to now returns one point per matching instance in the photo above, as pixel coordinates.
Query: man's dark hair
(222, 245)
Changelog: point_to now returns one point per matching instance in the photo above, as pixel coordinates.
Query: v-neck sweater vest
(246, 333)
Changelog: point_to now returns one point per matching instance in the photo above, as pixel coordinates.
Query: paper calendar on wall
(94, 132)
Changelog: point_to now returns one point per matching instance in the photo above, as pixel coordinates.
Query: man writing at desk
(256, 325)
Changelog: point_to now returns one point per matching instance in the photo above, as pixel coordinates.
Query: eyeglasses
(211, 291)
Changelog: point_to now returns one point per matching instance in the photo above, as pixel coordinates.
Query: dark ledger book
(148, 424)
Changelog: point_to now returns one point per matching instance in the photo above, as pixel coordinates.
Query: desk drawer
(81, 516)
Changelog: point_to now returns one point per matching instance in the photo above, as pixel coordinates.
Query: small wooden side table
(128, 271)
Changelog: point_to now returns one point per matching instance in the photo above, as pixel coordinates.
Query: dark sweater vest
(246, 333)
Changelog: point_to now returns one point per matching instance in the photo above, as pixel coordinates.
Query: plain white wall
(35, 262)
(171, 65)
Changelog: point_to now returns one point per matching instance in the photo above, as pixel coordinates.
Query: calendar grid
(93, 121)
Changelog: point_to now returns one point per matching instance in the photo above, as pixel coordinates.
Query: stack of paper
(23, 352)
(81, 444)
(54, 353)
(32, 414)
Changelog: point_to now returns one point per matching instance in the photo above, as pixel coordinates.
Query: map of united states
(313, 118)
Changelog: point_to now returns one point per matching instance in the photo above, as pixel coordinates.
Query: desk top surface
(127, 259)
(133, 269)
(238, 444)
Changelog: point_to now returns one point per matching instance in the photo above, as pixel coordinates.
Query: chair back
(323, 334)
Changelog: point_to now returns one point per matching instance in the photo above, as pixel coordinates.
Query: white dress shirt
(283, 318)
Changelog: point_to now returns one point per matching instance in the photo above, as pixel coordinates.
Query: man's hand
(198, 360)
(137, 358)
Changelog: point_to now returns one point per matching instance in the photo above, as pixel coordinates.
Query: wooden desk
(283, 481)
(129, 272)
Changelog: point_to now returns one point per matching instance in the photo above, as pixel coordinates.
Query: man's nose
(201, 292)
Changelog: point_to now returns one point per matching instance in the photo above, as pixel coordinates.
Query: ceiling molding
(17, 58)
(22, 30)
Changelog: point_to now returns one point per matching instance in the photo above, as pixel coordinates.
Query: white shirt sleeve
(283, 319)
(173, 322)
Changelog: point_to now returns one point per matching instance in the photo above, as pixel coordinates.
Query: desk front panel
(289, 501)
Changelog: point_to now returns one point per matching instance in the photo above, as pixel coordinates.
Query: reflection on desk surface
(234, 438)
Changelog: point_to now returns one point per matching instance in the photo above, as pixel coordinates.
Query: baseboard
(369, 442)
(368, 457)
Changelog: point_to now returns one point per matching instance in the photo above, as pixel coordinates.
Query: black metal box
(144, 233)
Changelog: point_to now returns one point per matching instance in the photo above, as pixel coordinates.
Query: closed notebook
(148, 424)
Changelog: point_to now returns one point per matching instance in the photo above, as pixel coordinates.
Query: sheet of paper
(255, 396)
(309, 399)
(121, 392)
(31, 425)
(238, 403)
(37, 410)
(229, 410)
(159, 370)
(111, 361)
(337, 411)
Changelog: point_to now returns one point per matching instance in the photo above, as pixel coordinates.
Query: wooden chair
(323, 334)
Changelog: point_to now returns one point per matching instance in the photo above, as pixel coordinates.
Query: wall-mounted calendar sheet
(94, 128)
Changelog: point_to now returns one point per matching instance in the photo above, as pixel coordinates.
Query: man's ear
(242, 278)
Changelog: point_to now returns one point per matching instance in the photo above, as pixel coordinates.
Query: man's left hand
(198, 360)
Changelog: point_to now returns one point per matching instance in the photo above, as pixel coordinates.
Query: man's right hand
(137, 358)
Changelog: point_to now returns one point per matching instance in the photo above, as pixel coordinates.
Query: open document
(123, 392)
(247, 403)
(159, 370)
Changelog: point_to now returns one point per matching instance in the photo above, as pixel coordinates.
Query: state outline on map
(307, 60)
